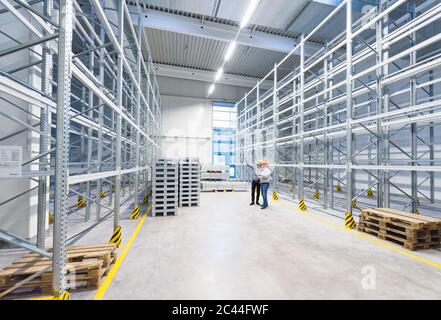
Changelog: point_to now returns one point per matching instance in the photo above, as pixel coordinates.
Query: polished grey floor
(226, 249)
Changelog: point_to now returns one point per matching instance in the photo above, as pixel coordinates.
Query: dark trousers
(255, 188)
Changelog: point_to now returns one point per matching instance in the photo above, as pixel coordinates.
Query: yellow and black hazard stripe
(370, 193)
(65, 296)
(349, 221)
(417, 211)
(275, 196)
(302, 205)
(135, 213)
(316, 195)
(338, 188)
(113, 188)
(145, 201)
(102, 194)
(116, 236)
(354, 203)
(81, 202)
(51, 217)
(150, 193)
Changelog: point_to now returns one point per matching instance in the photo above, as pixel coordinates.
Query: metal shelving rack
(360, 114)
(99, 112)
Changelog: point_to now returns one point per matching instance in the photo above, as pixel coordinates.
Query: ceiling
(187, 51)
(270, 13)
(176, 42)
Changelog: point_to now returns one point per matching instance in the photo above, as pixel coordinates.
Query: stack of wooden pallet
(409, 230)
(86, 265)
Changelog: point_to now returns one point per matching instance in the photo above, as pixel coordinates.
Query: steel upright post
(385, 136)
(113, 149)
(301, 119)
(432, 145)
(379, 85)
(99, 184)
(349, 114)
(294, 142)
(413, 126)
(43, 181)
(258, 112)
(138, 111)
(275, 132)
(119, 88)
(325, 135)
(89, 138)
(330, 96)
(62, 145)
(147, 129)
(244, 158)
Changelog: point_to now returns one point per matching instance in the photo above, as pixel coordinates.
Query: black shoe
(263, 207)
(258, 203)
(252, 204)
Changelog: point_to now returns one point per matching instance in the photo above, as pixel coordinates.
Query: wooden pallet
(86, 265)
(104, 252)
(411, 231)
(399, 229)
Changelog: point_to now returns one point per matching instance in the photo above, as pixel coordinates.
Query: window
(224, 129)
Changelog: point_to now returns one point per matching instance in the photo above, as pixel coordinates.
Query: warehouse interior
(132, 133)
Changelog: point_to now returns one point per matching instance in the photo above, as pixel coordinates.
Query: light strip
(230, 50)
(211, 89)
(233, 44)
(248, 14)
(219, 74)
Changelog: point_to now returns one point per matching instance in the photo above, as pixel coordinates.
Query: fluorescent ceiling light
(248, 14)
(230, 50)
(219, 74)
(211, 89)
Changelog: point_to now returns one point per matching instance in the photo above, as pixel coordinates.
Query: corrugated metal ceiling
(272, 16)
(269, 13)
(256, 27)
(182, 50)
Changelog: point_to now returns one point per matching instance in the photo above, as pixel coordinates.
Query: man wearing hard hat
(264, 173)
(255, 183)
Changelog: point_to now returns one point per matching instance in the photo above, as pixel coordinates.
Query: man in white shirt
(264, 173)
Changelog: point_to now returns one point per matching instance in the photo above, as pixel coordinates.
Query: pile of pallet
(165, 187)
(213, 172)
(225, 186)
(86, 266)
(406, 229)
(189, 182)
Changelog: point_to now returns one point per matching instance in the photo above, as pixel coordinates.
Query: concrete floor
(226, 249)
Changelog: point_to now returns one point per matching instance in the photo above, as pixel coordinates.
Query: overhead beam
(218, 31)
(207, 76)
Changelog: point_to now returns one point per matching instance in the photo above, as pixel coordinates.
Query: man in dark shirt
(255, 183)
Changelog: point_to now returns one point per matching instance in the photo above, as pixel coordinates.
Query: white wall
(198, 89)
(19, 216)
(187, 127)
(187, 116)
